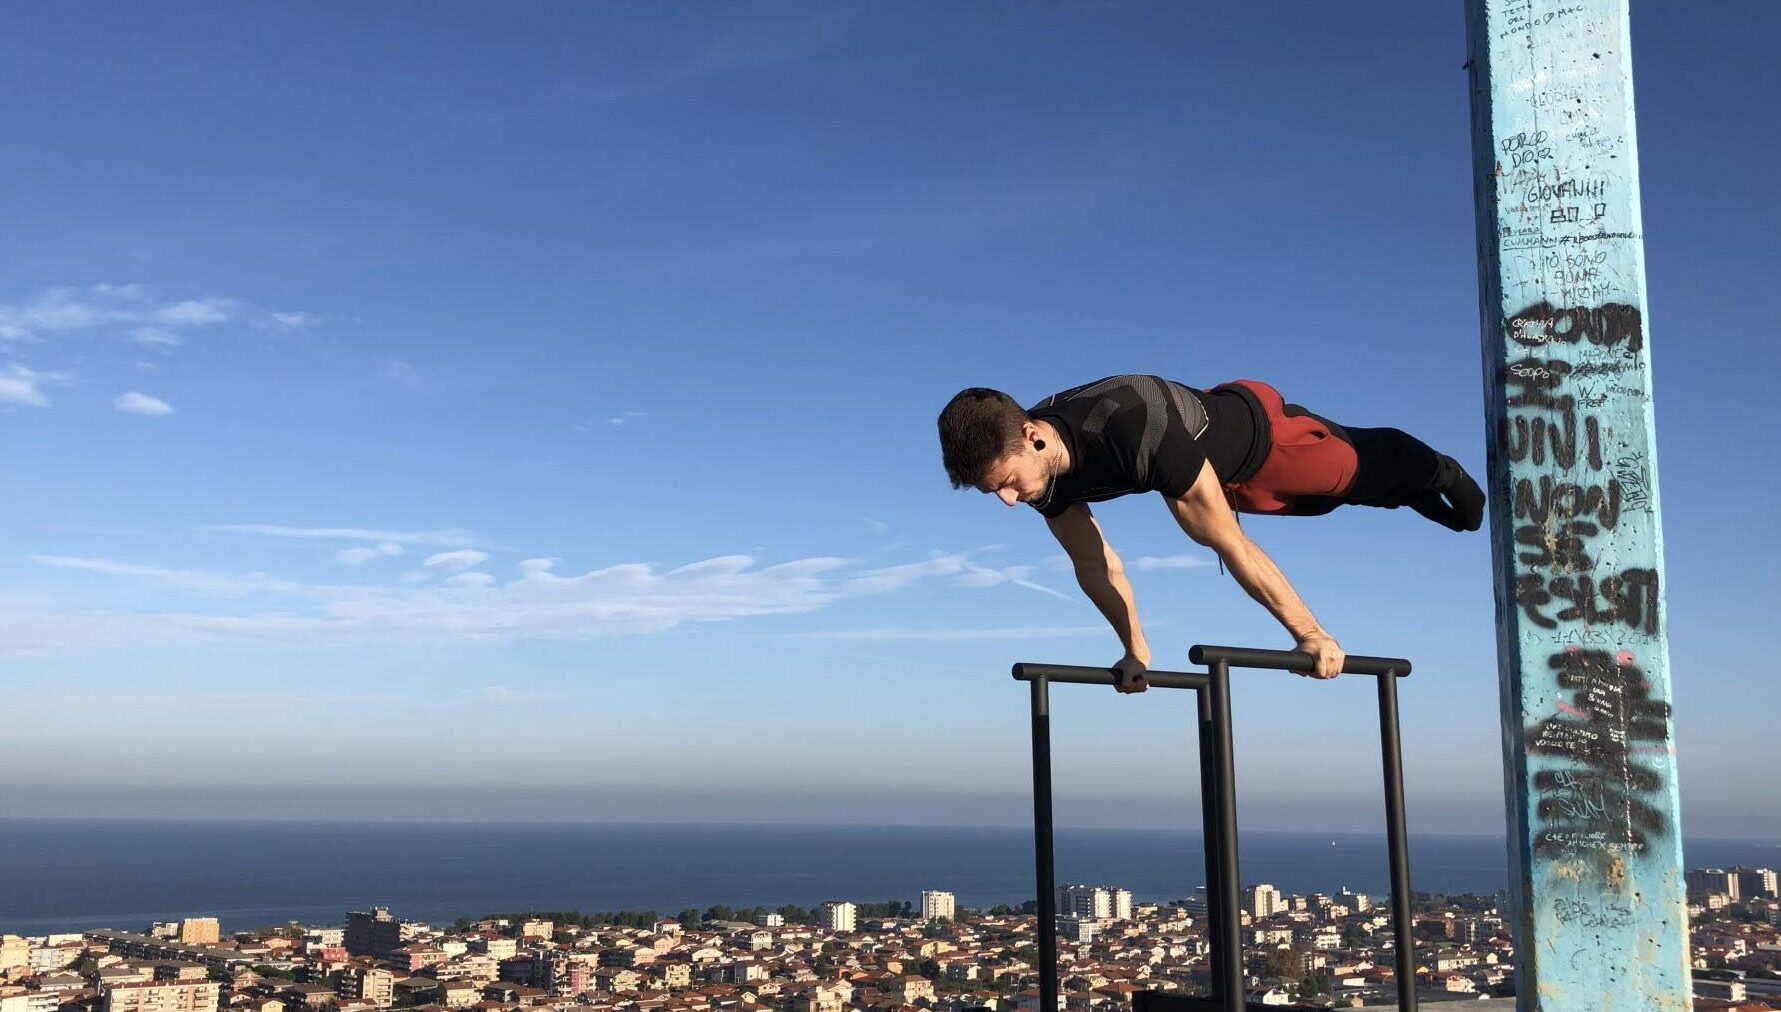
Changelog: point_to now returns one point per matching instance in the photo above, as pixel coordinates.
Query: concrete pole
(1595, 845)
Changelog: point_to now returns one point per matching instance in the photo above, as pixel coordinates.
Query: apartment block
(839, 915)
(162, 996)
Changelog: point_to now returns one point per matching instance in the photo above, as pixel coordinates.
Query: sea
(74, 875)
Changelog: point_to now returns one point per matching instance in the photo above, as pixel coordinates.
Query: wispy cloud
(452, 562)
(1147, 562)
(731, 43)
(220, 584)
(360, 556)
(915, 634)
(135, 403)
(452, 537)
(197, 312)
(155, 337)
(1019, 576)
(146, 317)
(620, 600)
(22, 385)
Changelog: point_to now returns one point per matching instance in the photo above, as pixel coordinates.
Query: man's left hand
(1325, 652)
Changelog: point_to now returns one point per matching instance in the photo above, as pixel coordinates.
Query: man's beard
(1044, 499)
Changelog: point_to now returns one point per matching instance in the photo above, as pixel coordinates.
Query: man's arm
(1206, 517)
(1102, 577)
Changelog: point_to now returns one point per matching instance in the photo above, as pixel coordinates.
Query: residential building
(370, 983)
(15, 952)
(373, 933)
(839, 915)
(1263, 900)
(200, 931)
(496, 946)
(1703, 882)
(54, 956)
(1101, 903)
(937, 905)
(162, 996)
(1080, 930)
(1755, 883)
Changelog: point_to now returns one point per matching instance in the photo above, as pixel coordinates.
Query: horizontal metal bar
(1106, 676)
(1292, 660)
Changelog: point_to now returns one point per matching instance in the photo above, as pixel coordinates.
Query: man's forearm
(1111, 592)
(1257, 574)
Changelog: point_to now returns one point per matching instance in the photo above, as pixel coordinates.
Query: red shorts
(1307, 456)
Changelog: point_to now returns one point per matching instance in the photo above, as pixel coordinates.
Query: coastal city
(1319, 950)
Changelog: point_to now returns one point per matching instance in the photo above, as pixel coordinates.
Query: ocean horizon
(79, 874)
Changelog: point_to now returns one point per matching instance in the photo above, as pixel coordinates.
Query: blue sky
(443, 411)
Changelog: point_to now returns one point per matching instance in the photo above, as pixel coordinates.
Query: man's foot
(1454, 500)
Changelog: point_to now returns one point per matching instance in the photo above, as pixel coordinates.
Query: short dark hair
(978, 426)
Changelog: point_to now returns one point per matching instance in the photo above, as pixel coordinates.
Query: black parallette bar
(1105, 676)
(1292, 660)
(1043, 869)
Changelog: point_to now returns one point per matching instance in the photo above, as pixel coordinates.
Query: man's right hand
(1129, 674)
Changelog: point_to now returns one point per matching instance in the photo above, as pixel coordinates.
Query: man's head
(987, 443)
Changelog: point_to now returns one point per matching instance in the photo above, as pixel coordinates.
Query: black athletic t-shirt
(1131, 434)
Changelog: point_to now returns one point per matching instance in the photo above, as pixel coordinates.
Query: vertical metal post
(1209, 801)
(1229, 968)
(1595, 845)
(1042, 839)
(1397, 840)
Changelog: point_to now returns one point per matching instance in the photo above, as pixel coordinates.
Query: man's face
(1017, 477)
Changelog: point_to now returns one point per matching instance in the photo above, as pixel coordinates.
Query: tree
(1286, 964)
(689, 919)
(267, 970)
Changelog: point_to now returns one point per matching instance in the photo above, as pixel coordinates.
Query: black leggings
(1392, 468)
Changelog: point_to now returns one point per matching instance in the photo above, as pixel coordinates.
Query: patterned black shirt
(1135, 433)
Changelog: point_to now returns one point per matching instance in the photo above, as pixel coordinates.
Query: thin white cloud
(182, 579)
(447, 538)
(149, 319)
(155, 337)
(1019, 576)
(620, 600)
(451, 562)
(1148, 562)
(197, 312)
(360, 556)
(909, 634)
(135, 403)
(22, 385)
